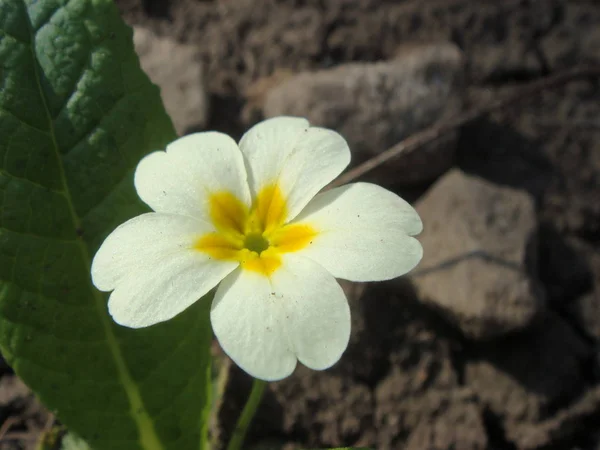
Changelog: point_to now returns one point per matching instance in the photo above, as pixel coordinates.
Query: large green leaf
(76, 115)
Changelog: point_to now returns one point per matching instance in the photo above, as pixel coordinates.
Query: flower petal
(363, 233)
(154, 271)
(316, 309)
(180, 180)
(249, 324)
(265, 324)
(160, 294)
(299, 159)
(140, 244)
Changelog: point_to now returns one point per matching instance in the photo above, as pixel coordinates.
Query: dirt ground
(497, 368)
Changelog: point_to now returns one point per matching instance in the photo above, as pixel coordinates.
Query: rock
(477, 266)
(258, 91)
(13, 392)
(525, 378)
(457, 424)
(376, 105)
(176, 68)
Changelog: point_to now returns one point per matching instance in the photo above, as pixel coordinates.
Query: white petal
(265, 324)
(363, 233)
(140, 244)
(156, 274)
(178, 180)
(316, 310)
(249, 324)
(160, 294)
(299, 158)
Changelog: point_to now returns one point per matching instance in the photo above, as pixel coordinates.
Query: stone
(479, 262)
(525, 379)
(376, 105)
(13, 390)
(178, 71)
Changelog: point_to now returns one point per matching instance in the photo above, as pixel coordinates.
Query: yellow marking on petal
(227, 212)
(270, 207)
(291, 238)
(219, 246)
(256, 238)
(266, 263)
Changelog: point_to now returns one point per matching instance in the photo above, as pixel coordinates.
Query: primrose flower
(251, 220)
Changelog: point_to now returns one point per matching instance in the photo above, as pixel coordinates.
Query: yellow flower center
(254, 237)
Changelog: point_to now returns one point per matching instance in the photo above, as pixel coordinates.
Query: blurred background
(492, 342)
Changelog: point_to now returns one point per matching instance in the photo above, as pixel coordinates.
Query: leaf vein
(148, 437)
(38, 236)
(52, 335)
(96, 124)
(12, 36)
(50, 17)
(27, 180)
(22, 121)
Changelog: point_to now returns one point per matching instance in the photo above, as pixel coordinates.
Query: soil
(410, 379)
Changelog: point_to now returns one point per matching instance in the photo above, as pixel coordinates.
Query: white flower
(249, 219)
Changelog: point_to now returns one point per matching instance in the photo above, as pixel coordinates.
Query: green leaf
(76, 115)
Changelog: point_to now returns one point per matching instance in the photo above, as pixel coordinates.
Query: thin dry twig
(49, 423)
(43, 438)
(20, 436)
(8, 423)
(430, 134)
(24, 435)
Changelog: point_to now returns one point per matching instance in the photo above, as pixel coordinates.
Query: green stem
(241, 427)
